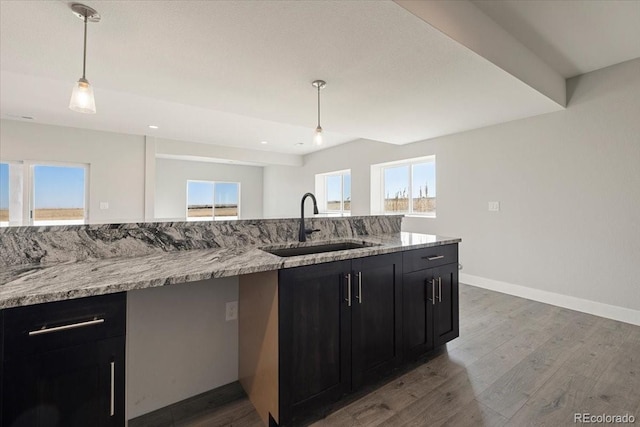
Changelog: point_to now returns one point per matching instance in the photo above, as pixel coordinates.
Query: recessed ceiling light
(153, 127)
(298, 144)
(264, 142)
(18, 116)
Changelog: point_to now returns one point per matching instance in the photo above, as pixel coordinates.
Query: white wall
(568, 183)
(178, 343)
(116, 171)
(117, 165)
(171, 185)
(283, 187)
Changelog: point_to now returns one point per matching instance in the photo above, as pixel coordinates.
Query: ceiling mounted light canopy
(82, 99)
(317, 136)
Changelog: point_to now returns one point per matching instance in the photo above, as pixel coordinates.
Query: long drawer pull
(348, 299)
(66, 327)
(359, 296)
(433, 291)
(433, 258)
(112, 394)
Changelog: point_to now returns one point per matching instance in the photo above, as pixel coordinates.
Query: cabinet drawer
(49, 326)
(435, 256)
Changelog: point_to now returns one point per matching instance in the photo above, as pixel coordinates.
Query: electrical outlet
(104, 205)
(494, 206)
(232, 311)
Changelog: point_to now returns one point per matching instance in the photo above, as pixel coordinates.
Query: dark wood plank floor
(517, 363)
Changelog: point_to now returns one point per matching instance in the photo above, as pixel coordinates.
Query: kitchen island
(89, 261)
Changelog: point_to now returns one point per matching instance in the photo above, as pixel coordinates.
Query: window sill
(333, 214)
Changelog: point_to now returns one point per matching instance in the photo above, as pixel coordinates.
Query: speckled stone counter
(33, 283)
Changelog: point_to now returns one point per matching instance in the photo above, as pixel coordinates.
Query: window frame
(411, 163)
(9, 164)
(213, 201)
(321, 193)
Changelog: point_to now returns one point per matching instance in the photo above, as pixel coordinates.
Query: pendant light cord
(84, 54)
(319, 106)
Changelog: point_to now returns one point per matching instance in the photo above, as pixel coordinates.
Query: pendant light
(317, 135)
(82, 99)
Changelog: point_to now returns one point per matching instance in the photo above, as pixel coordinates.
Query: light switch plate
(232, 311)
(104, 205)
(494, 206)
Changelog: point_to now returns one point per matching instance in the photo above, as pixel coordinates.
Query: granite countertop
(37, 283)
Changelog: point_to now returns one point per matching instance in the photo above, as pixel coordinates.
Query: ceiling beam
(184, 150)
(463, 22)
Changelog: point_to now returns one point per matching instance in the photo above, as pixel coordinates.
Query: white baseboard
(614, 312)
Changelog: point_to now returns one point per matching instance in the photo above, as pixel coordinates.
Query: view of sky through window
(424, 180)
(410, 187)
(347, 192)
(203, 196)
(396, 182)
(226, 199)
(58, 193)
(199, 199)
(4, 192)
(334, 188)
(338, 191)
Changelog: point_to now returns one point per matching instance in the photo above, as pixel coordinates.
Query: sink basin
(317, 249)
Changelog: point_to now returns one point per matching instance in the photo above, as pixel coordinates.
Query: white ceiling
(573, 36)
(235, 73)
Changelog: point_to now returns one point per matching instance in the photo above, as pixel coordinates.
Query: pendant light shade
(82, 99)
(317, 134)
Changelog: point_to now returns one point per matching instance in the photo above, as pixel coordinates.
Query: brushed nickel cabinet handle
(112, 400)
(439, 289)
(46, 330)
(433, 258)
(359, 296)
(348, 300)
(433, 291)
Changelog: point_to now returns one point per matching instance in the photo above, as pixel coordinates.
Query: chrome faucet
(302, 235)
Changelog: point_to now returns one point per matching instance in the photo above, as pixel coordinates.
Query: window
(58, 194)
(208, 200)
(43, 194)
(407, 186)
(4, 194)
(333, 191)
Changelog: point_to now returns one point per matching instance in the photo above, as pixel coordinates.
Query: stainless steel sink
(317, 249)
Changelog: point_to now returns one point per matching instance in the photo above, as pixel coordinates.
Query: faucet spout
(302, 235)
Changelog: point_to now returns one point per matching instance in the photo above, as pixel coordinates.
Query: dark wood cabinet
(309, 335)
(315, 335)
(376, 343)
(445, 310)
(430, 299)
(64, 363)
(340, 326)
(417, 313)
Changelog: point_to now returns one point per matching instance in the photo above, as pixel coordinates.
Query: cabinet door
(314, 338)
(445, 315)
(376, 316)
(418, 292)
(76, 386)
